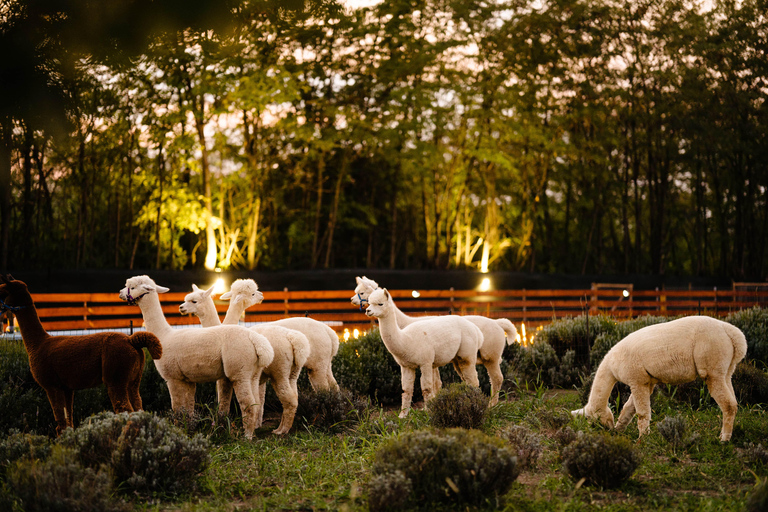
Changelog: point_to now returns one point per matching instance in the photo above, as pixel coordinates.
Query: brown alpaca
(63, 364)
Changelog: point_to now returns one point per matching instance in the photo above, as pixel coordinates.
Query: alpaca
(202, 355)
(427, 345)
(497, 333)
(291, 349)
(63, 364)
(674, 352)
(323, 341)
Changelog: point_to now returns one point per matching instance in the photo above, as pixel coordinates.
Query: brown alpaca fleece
(63, 364)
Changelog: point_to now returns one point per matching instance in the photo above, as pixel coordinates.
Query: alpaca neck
(403, 320)
(602, 386)
(234, 313)
(32, 331)
(391, 334)
(154, 319)
(207, 313)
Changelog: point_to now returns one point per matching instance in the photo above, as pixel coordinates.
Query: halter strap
(12, 309)
(133, 301)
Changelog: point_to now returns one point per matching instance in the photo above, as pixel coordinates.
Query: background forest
(572, 136)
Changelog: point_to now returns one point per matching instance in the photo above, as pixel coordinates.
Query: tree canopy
(576, 136)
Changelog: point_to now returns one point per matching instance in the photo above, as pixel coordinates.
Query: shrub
(22, 446)
(758, 499)
(365, 368)
(540, 363)
(453, 466)
(565, 436)
(144, 452)
(330, 410)
(750, 384)
(458, 405)
(753, 323)
(600, 459)
(675, 430)
(526, 444)
(61, 483)
(755, 454)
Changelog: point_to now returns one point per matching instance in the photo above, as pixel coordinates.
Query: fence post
(452, 310)
(131, 327)
(716, 314)
(525, 319)
(285, 301)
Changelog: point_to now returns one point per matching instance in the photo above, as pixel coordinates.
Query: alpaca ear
(386, 294)
(226, 295)
(161, 289)
(195, 288)
(209, 291)
(358, 280)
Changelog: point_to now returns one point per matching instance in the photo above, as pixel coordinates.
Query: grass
(311, 470)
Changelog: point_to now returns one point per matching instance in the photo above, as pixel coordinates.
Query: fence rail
(82, 311)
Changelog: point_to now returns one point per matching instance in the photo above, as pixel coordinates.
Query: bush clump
(600, 459)
(758, 499)
(540, 363)
(750, 384)
(453, 466)
(60, 482)
(458, 405)
(143, 452)
(22, 446)
(755, 455)
(526, 444)
(753, 323)
(674, 430)
(330, 410)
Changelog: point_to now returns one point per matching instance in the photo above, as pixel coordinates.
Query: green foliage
(22, 446)
(458, 405)
(753, 323)
(143, 452)
(365, 367)
(330, 410)
(755, 455)
(602, 460)
(61, 483)
(758, 498)
(526, 444)
(675, 430)
(750, 384)
(540, 363)
(453, 466)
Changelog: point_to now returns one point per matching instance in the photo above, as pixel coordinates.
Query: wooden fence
(102, 311)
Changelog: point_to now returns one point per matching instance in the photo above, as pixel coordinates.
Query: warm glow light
(219, 287)
(415, 294)
(485, 285)
(346, 334)
(356, 333)
(625, 293)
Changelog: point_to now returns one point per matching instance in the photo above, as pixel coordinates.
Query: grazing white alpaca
(323, 341)
(191, 356)
(291, 350)
(496, 334)
(427, 345)
(674, 352)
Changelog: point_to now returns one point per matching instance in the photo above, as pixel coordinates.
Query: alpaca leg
(262, 397)
(120, 398)
(642, 403)
(408, 377)
(469, 372)
(58, 401)
(248, 405)
(726, 400)
(427, 389)
(224, 395)
(318, 378)
(182, 396)
(627, 413)
(289, 401)
(437, 381)
(496, 378)
(134, 396)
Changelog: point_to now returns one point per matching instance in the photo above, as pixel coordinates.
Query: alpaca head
(138, 287)
(245, 291)
(603, 414)
(363, 290)
(379, 303)
(13, 294)
(193, 302)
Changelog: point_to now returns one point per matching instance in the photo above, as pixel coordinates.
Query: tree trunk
(6, 142)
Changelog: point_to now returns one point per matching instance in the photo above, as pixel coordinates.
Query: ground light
(485, 284)
(219, 287)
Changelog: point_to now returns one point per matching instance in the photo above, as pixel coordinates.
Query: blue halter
(12, 309)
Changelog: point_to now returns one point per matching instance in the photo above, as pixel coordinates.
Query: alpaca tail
(334, 340)
(739, 345)
(146, 339)
(264, 350)
(509, 329)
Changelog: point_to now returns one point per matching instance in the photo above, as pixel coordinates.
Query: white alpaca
(291, 350)
(191, 356)
(323, 341)
(496, 334)
(427, 345)
(674, 352)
